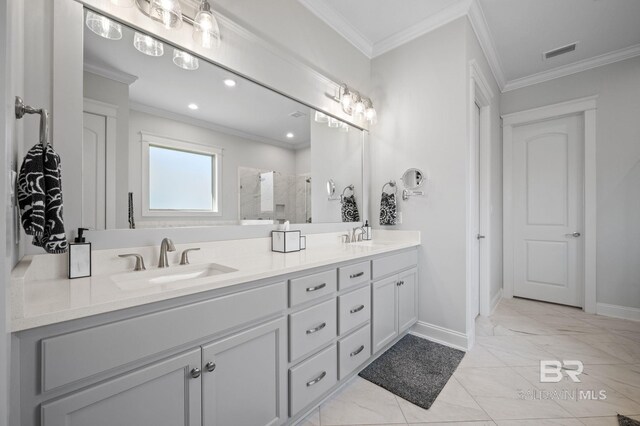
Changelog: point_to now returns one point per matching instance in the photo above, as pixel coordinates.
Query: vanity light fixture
(205, 27)
(185, 60)
(148, 45)
(166, 12)
(290, 135)
(229, 82)
(103, 26)
(353, 103)
(192, 107)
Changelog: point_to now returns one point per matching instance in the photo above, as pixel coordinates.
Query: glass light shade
(359, 108)
(371, 115)
(185, 60)
(321, 117)
(167, 12)
(333, 122)
(123, 3)
(148, 45)
(104, 27)
(347, 102)
(205, 28)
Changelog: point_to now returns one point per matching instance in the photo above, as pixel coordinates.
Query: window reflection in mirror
(196, 150)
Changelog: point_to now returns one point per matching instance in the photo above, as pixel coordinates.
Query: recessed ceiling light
(193, 106)
(290, 135)
(229, 83)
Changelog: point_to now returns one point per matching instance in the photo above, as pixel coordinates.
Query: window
(180, 178)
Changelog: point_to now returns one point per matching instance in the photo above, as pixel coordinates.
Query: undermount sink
(373, 243)
(173, 274)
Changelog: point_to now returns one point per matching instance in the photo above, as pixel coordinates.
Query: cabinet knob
(195, 372)
(210, 366)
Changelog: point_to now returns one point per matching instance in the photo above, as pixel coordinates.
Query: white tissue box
(285, 241)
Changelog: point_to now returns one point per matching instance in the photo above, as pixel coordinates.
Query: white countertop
(40, 296)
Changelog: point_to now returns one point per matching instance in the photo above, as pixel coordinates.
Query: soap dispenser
(367, 235)
(79, 256)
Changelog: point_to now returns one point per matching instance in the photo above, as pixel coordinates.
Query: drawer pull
(210, 366)
(357, 309)
(357, 351)
(317, 379)
(318, 287)
(359, 274)
(195, 372)
(316, 329)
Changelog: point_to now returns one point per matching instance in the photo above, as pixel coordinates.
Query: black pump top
(80, 238)
(366, 223)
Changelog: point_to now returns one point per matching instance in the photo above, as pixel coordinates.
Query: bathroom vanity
(261, 339)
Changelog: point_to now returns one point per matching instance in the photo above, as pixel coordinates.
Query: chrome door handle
(318, 328)
(318, 287)
(573, 234)
(195, 372)
(317, 379)
(357, 351)
(480, 237)
(210, 366)
(356, 309)
(359, 274)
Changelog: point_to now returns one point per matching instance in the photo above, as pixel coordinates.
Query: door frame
(480, 93)
(585, 107)
(110, 112)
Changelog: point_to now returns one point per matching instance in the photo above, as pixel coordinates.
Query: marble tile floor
(488, 386)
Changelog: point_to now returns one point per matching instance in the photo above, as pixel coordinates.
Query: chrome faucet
(356, 237)
(165, 246)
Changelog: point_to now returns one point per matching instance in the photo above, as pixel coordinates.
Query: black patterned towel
(388, 209)
(350, 209)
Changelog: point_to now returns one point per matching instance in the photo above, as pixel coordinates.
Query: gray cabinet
(395, 307)
(161, 394)
(244, 379)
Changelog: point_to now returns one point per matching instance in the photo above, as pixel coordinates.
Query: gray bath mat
(415, 369)
(626, 421)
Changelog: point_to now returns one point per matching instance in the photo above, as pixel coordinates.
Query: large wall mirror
(172, 140)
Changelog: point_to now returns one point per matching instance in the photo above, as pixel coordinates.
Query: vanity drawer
(354, 350)
(311, 328)
(394, 263)
(309, 380)
(307, 288)
(354, 274)
(354, 309)
(81, 354)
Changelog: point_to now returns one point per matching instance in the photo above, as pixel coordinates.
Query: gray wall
(617, 167)
(421, 88)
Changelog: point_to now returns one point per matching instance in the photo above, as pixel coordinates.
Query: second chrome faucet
(165, 246)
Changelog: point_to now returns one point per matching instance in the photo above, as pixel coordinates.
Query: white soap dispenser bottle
(79, 256)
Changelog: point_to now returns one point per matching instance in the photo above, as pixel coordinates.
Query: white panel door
(94, 150)
(549, 210)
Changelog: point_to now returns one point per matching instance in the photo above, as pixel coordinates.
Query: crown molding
(446, 15)
(340, 25)
(573, 68)
(483, 34)
(110, 73)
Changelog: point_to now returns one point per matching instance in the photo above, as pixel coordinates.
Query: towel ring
(347, 188)
(21, 109)
(391, 183)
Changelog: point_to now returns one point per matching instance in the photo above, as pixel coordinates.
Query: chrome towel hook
(22, 109)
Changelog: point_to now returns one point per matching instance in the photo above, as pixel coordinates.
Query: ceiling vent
(297, 114)
(560, 51)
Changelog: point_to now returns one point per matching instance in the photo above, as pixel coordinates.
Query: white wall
(421, 90)
(493, 240)
(338, 156)
(303, 161)
(238, 152)
(617, 167)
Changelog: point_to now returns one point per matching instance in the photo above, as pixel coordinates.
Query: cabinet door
(162, 394)
(407, 299)
(385, 316)
(244, 381)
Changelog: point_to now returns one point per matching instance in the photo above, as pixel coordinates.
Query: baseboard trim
(495, 301)
(617, 311)
(441, 335)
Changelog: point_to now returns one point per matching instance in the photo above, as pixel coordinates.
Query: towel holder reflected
(22, 109)
(347, 188)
